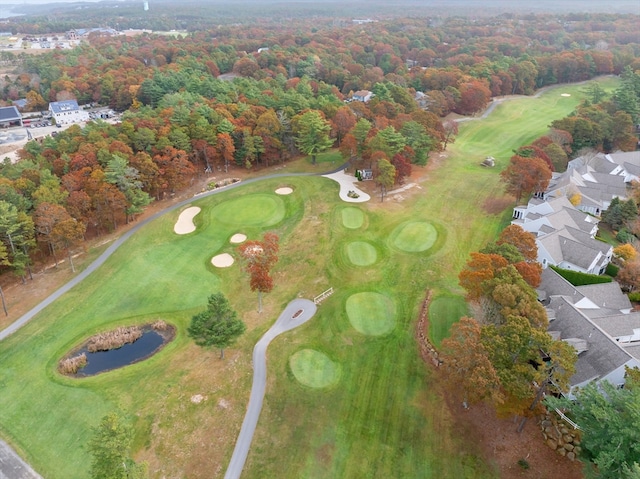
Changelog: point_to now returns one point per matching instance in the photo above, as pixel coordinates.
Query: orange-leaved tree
(524, 176)
(259, 257)
(466, 363)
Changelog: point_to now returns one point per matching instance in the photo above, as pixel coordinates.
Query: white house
(67, 112)
(362, 95)
(565, 236)
(598, 321)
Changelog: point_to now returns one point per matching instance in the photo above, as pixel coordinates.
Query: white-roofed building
(67, 112)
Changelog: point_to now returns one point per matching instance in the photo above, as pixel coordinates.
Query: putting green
(414, 237)
(371, 313)
(314, 369)
(251, 210)
(352, 218)
(361, 253)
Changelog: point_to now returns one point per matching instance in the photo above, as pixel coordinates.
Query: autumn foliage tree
(466, 363)
(524, 176)
(259, 257)
(524, 241)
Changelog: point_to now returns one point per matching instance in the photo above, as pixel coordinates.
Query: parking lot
(13, 139)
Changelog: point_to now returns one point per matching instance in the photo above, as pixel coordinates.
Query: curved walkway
(286, 321)
(348, 183)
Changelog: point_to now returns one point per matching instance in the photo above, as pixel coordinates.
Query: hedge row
(612, 270)
(577, 278)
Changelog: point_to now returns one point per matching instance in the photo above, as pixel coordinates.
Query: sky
(40, 2)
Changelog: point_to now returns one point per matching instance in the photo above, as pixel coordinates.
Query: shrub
(635, 297)
(523, 463)
(577, 278)
(73, 364)
(625, 236)
(160, 325)
(612, 270)
(113, 339)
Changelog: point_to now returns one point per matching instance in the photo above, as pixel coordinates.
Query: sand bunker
(222, 260)
(284, 191)
(565, 94)
(185, 225)
(238, 238)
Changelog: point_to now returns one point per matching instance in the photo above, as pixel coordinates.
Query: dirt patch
(497, 439)
(496, 205)
(502, 445)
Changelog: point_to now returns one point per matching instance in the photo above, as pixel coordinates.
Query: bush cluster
(73, 364)
(114, 339)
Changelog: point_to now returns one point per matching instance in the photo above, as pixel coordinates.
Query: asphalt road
(12, 466)
(285, 322)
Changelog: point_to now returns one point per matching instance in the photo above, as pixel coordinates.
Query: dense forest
(250, 96)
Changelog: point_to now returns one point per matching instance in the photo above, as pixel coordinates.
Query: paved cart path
(12, 466)
(297, 312)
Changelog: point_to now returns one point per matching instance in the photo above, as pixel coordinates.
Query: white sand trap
(284, 191)
(565, 94)
(223, 260)
(238, 238)
(185, 225)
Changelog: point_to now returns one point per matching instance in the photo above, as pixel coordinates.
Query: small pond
(147, 345)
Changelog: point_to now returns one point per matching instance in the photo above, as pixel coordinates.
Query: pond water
(102, 361)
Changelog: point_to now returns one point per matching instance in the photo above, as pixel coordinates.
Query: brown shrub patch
(73, 364)
(160, 325)
(114, 339)
(495, 206)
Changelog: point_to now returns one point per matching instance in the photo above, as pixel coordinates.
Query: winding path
(286, 321)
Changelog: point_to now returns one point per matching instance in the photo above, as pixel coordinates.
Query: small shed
(365, 174)
(10, 116)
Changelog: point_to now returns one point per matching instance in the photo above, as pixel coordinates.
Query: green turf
(314, 369)
(371, 313)
(414, 236)
(352, 218)
(250, 210)
(445, 310)
(382, 420)
(361, 253)
(329, 157)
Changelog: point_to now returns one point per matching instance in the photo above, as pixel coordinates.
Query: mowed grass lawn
(380, 416)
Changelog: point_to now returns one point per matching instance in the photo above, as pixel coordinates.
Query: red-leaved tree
(259, 257)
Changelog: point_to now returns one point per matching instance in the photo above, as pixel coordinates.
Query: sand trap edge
(185, 224)
(223, 260)
(238, 238)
